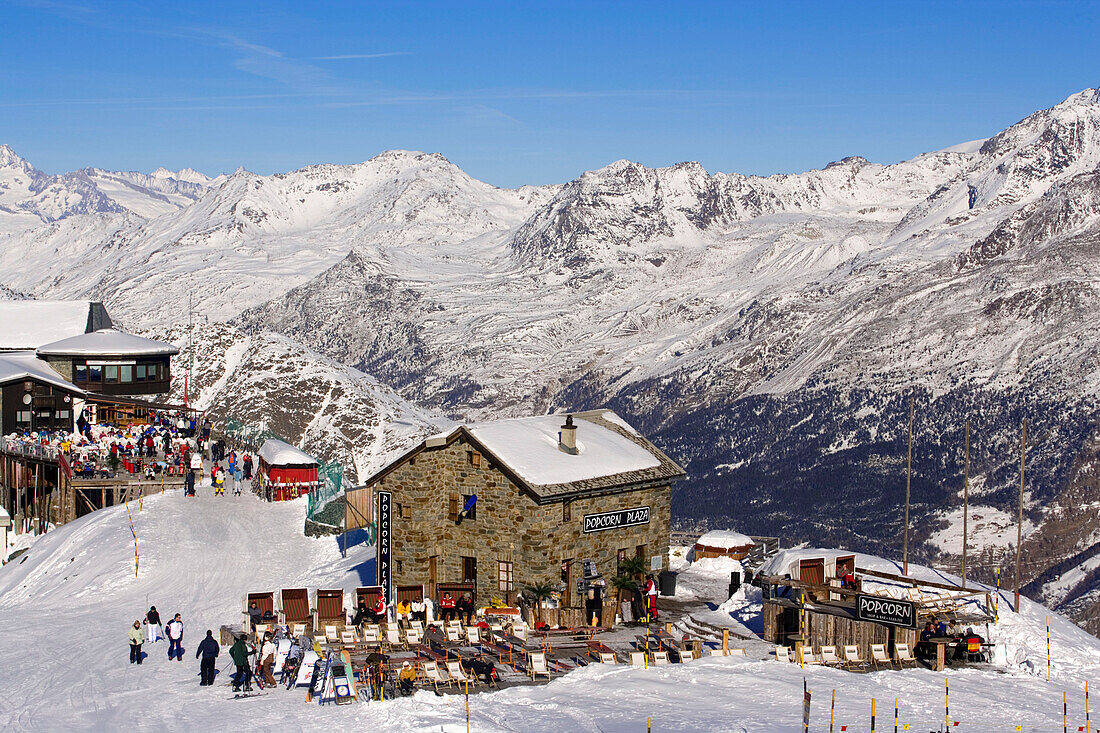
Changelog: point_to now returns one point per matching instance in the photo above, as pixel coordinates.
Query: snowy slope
(764, 330)
(198, 556)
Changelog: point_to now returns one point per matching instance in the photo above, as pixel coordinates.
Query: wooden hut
(286, 472)
(330, 608)
(723, 543)
(295, 606)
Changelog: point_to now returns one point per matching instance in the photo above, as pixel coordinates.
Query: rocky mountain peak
(10, 159)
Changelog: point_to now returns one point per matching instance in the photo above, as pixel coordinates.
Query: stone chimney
(567, 438)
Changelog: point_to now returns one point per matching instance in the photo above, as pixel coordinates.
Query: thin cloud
(345, 56)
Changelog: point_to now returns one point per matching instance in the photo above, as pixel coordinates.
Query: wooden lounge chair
(538, 665)
(297, 629)
(606, 658)
(458, 675)
(393, 636)
(783, 654)
(852, 660)
(904, 655)
(331, 633)
(808, 656)
(829, 657)
(879, 657)
(660, 659)
(718, 652)
(433, 675)
(348, 637)
(370, 634)
(736, 651)
(637, 659)
(473, 636)
(412, 638)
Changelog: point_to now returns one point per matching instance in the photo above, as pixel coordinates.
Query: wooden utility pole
(966, 497)
(908, 482)
(1020, 514)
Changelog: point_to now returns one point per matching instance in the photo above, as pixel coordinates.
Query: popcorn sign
(615, 520)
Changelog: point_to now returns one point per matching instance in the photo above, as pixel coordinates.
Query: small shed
(723, 543)
(285, 471)
(330, 607)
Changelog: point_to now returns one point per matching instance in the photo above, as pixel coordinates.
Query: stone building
(494, 507)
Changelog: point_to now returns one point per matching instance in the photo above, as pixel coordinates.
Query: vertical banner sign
(384, 543)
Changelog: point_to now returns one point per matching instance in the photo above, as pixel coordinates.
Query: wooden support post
(908, 482)
(966, 498)
(725, 642)
(1020, 514)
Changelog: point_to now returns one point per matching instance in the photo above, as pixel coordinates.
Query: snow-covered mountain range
(767, 331)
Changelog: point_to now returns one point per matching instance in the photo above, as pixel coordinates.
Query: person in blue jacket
(208, 653)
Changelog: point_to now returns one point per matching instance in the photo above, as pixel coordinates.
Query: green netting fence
(330, 472)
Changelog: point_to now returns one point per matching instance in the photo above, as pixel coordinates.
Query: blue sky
(524, 92)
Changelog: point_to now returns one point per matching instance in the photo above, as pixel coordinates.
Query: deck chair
(717, 652)
(331, 633)
(393, 636)
(538, 665)
(297, 629)
(262, 629)
(904, 656)
(435, 676)
(637, 659)
(496, 628)
(453, 634)
(520, 632)
(783, 654)
(851, 657)
(458, 675)
(370, 634)
(808, 656)
(348, 637)
(607, 658)
(829, 657)
(412, 638)
(660, 659)
(473, 636)
(879, 657)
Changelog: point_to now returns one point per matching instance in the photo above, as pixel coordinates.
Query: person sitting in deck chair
(406, 679)
(447, 606)
(360, 616)
(378, 610)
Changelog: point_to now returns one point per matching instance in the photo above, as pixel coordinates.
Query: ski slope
(66, 608)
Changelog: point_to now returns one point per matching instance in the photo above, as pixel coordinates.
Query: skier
(136, 638)
(189, 484)
(247, 467)
(240, 653)
(196, 462)
(267, 660)
(219, 482)
(175, 637)
(208, 651)
(152, 621)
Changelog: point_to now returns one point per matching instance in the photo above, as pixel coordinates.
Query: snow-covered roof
(107, 342)
(277, 453)
(529, 446)
(725, 539)
(16, 365)
(610, 453)
(27, 324)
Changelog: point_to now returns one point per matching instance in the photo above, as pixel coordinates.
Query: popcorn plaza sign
(615, 520)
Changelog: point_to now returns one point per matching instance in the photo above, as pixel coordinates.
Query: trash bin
(667, 583)
(735, 583)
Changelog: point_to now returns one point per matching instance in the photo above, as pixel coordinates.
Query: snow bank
(278, 453)
(725, 539)
(27, 324)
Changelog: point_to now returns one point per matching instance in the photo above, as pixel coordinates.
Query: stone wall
(508, 526)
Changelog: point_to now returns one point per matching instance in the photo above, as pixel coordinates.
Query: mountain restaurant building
(111, 362)
(493, 507)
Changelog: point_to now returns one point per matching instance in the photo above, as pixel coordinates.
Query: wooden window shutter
(452, 509)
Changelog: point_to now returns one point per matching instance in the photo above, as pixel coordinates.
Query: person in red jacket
(447, 606)
(378, 610)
